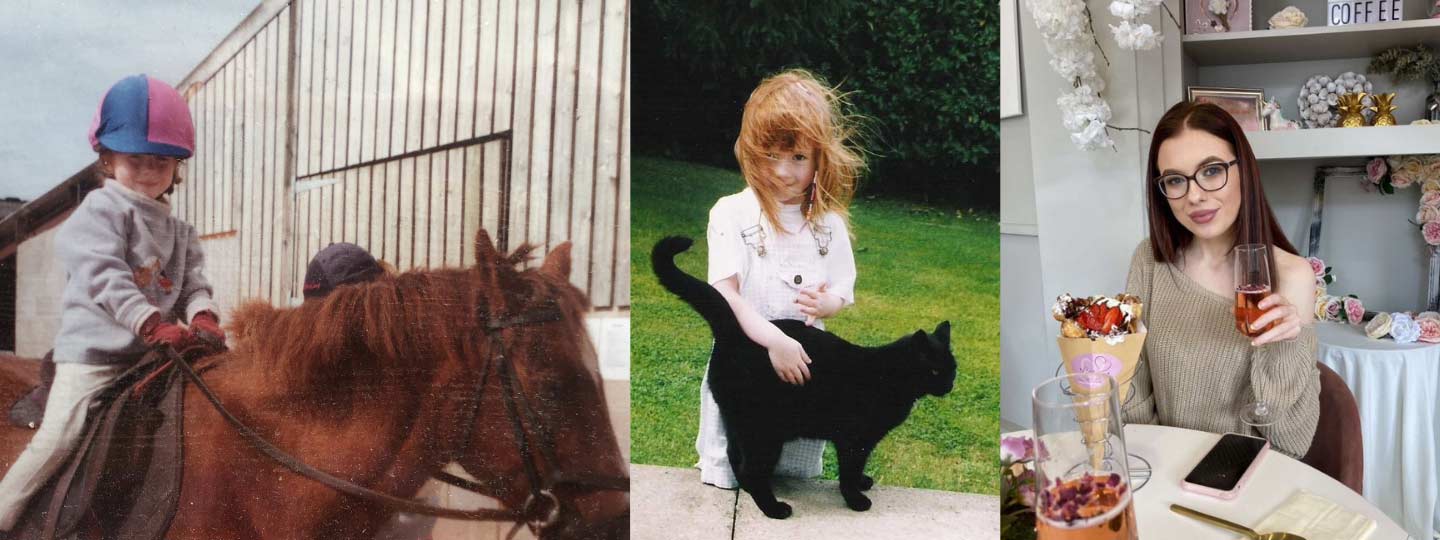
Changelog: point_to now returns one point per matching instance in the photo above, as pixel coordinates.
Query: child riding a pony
(134, 273)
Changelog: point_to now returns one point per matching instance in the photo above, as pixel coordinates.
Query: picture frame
(1200, 20)
(1242, 103)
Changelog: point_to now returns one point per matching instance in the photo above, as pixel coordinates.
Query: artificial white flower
(1122, 9)
(1059, 19)
(1136, 38)
(1219, 7)
(1086, 116)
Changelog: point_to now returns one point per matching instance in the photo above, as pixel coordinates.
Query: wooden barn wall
(390, 99)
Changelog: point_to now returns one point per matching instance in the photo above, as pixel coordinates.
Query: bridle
(541, 509)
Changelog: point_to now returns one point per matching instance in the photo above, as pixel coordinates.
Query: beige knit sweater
(1197, 370)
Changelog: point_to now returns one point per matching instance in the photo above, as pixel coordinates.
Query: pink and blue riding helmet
(143, 115)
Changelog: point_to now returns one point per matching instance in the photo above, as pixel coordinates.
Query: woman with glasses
(1204, 199)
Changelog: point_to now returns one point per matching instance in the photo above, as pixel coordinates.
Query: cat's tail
(700, 295)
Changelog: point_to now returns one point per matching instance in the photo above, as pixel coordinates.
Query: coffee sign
(1343, 12)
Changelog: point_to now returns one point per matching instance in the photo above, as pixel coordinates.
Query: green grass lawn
(916, 267)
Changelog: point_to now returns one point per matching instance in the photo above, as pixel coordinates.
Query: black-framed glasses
(1210, 177)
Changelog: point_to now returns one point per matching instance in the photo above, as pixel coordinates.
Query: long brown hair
(790, 109)
(1255, 223)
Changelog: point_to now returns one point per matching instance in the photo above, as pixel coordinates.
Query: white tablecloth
(1172, 452)
(1396, 387)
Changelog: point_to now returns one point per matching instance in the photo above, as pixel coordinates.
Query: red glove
(206, 325)
(156, 333)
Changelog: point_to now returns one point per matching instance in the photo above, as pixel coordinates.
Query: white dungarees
(772, 269)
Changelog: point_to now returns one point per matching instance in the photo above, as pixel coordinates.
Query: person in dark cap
(340, 263)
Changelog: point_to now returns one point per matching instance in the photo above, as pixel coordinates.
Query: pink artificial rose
(1375, 170)
(1354, 311)
(1427, 214)
(1429, 330)
(1402, 178)
(1430, 198)
(1316, 265)
(1332, 309)
(1017, 448)
(1431, 231)
(1411, 171)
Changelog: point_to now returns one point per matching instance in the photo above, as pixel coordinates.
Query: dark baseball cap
(340, 263)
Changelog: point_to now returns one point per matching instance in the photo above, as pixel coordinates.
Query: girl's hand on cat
(817, 304)
(789, 360)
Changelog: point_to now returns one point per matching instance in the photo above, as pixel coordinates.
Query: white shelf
(1345, 142)
(1309, 43)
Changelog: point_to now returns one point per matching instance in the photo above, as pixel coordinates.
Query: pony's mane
(395, 329)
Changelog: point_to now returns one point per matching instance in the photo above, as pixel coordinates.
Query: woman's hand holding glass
(1286, 318)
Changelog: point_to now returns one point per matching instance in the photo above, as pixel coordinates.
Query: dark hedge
(924, 74)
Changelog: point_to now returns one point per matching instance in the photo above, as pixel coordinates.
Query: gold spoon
(1249, 533)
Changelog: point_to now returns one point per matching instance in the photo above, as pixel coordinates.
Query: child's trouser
(76, 387)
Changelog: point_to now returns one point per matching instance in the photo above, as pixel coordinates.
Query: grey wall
(1021, 301)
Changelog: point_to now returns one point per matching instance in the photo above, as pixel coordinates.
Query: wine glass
(1252, 284)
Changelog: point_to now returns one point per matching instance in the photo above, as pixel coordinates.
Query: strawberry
(1111, 319)
(1092, 318)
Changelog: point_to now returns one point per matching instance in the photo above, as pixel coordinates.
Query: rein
(540, 510)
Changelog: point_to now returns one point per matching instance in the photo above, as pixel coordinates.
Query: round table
(1396, 387)
(1172, 452)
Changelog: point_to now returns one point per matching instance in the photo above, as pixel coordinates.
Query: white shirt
(772, 267)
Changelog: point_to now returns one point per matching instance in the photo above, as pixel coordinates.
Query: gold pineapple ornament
(1352, 109)
(1384, 109)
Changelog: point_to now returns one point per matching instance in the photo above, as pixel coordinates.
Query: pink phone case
(1227, 495)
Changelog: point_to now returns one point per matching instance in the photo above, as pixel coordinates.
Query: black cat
(855, 396)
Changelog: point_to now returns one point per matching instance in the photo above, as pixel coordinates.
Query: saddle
(124, 474)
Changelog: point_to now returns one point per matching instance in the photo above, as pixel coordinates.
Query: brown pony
(377, 384)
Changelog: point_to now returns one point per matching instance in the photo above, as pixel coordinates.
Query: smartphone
(1224, 470)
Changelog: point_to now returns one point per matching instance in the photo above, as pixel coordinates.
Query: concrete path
(671, 504)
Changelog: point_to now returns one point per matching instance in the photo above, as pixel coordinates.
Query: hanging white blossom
(1220, 7)
(1140, 37)
(1086, 116)
(1131, 34)
(1064, 25)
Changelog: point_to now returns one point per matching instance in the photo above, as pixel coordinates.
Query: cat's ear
(920, 337)
(942, 332)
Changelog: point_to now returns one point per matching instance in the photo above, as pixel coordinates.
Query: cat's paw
(856, 501)
(779, 510)
(866, 482)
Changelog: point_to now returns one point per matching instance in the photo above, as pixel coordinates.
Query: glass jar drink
(1082, 474)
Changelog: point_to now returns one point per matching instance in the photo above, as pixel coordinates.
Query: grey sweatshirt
(125, 258)
(1198, 370)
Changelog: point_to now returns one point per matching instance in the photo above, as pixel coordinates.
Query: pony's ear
(487, 260)
(485, 255)
(557, 262)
